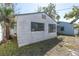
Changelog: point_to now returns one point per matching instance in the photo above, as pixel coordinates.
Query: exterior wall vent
(43, 16)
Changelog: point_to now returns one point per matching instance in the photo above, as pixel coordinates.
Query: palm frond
(74, 13)
(6, 15)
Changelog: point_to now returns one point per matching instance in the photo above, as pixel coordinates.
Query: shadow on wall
(38, 49)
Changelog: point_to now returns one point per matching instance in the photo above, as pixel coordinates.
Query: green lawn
(10, 48)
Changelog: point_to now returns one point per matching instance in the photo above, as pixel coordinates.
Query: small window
(62, 28)
(43, 16)
(52, 28)
(37, 26)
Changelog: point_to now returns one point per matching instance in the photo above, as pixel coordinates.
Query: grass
(47, 47)
(10, 48)
(70, 46)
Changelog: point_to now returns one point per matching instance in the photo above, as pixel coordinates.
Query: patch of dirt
(68, 47)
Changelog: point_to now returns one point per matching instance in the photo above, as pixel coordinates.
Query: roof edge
(33, 13)
(28, 13)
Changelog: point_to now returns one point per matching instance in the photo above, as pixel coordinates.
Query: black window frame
(51, 28)
(36, 26)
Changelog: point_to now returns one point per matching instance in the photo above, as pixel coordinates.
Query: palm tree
(6, 17)
(76, 26)
(74, 13)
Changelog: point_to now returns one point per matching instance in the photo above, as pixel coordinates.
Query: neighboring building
(77, 24)
(7, 5)
(34, 27)
(66, 28)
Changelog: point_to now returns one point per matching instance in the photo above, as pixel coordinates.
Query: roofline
(50, 17)
(62, 22)
(33, 13)
(28, 13)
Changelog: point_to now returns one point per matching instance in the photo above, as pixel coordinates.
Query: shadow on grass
(38, 49)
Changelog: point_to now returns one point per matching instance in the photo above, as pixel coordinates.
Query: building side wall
(68, 28)
(24, 34)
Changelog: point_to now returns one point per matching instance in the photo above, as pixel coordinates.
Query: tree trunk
(6, 32)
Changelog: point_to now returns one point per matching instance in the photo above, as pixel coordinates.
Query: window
(43, 16)
(37, 26)
(62, 28)
(52, 28)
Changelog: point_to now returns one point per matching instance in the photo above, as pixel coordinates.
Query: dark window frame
(51, 28)
(62, 28)
(36, 26)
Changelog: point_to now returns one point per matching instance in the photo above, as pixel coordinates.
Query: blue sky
(61, 8)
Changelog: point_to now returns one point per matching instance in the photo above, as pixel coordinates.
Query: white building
(6, 5)
(35, 27)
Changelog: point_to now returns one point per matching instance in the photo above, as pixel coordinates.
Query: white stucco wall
(24, 34)
(75, 31)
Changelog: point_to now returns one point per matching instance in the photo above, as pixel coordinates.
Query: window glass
(52, 28)
(62, 28)
(37, 26)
